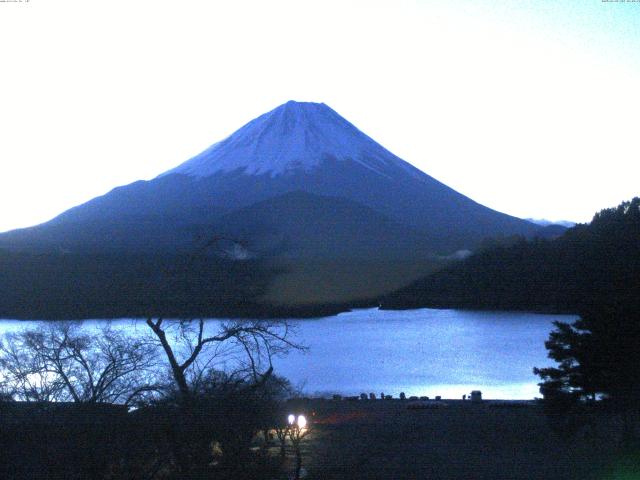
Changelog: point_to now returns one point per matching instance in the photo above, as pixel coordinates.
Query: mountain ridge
(308, 147)
(339, 217)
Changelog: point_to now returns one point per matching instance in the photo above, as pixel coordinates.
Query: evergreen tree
(598, 360)
(597, 354)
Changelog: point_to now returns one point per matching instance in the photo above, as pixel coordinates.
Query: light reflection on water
(423, 352)
(419, 352)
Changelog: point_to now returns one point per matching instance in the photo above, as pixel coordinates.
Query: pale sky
(527, 106)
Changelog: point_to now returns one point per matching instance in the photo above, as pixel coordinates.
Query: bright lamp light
(302, 421)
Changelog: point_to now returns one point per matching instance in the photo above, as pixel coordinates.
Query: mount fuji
(299, 185)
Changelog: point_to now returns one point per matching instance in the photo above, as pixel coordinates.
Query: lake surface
(419, 352)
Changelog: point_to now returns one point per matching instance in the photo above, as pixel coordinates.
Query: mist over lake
(419, 352)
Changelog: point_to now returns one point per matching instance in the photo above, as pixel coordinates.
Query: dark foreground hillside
(384, 440)
(373, 440)
(588, 263)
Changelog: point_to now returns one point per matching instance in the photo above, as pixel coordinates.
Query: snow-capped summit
(302, 153)
(296, 136)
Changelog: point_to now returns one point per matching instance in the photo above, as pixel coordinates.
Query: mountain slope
(309, 147)
(320, 213)
(307, 226)
(296, 147)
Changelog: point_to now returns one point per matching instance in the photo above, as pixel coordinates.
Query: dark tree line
(597, 355)
(586, 265)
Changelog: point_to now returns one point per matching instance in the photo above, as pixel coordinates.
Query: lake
(420, 352)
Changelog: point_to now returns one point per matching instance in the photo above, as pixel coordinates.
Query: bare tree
(223, 388)
(64, 362)
(24, 376)
(244, 349)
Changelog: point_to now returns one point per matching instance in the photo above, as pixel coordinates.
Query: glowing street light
(302, 421)
(297, 431)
